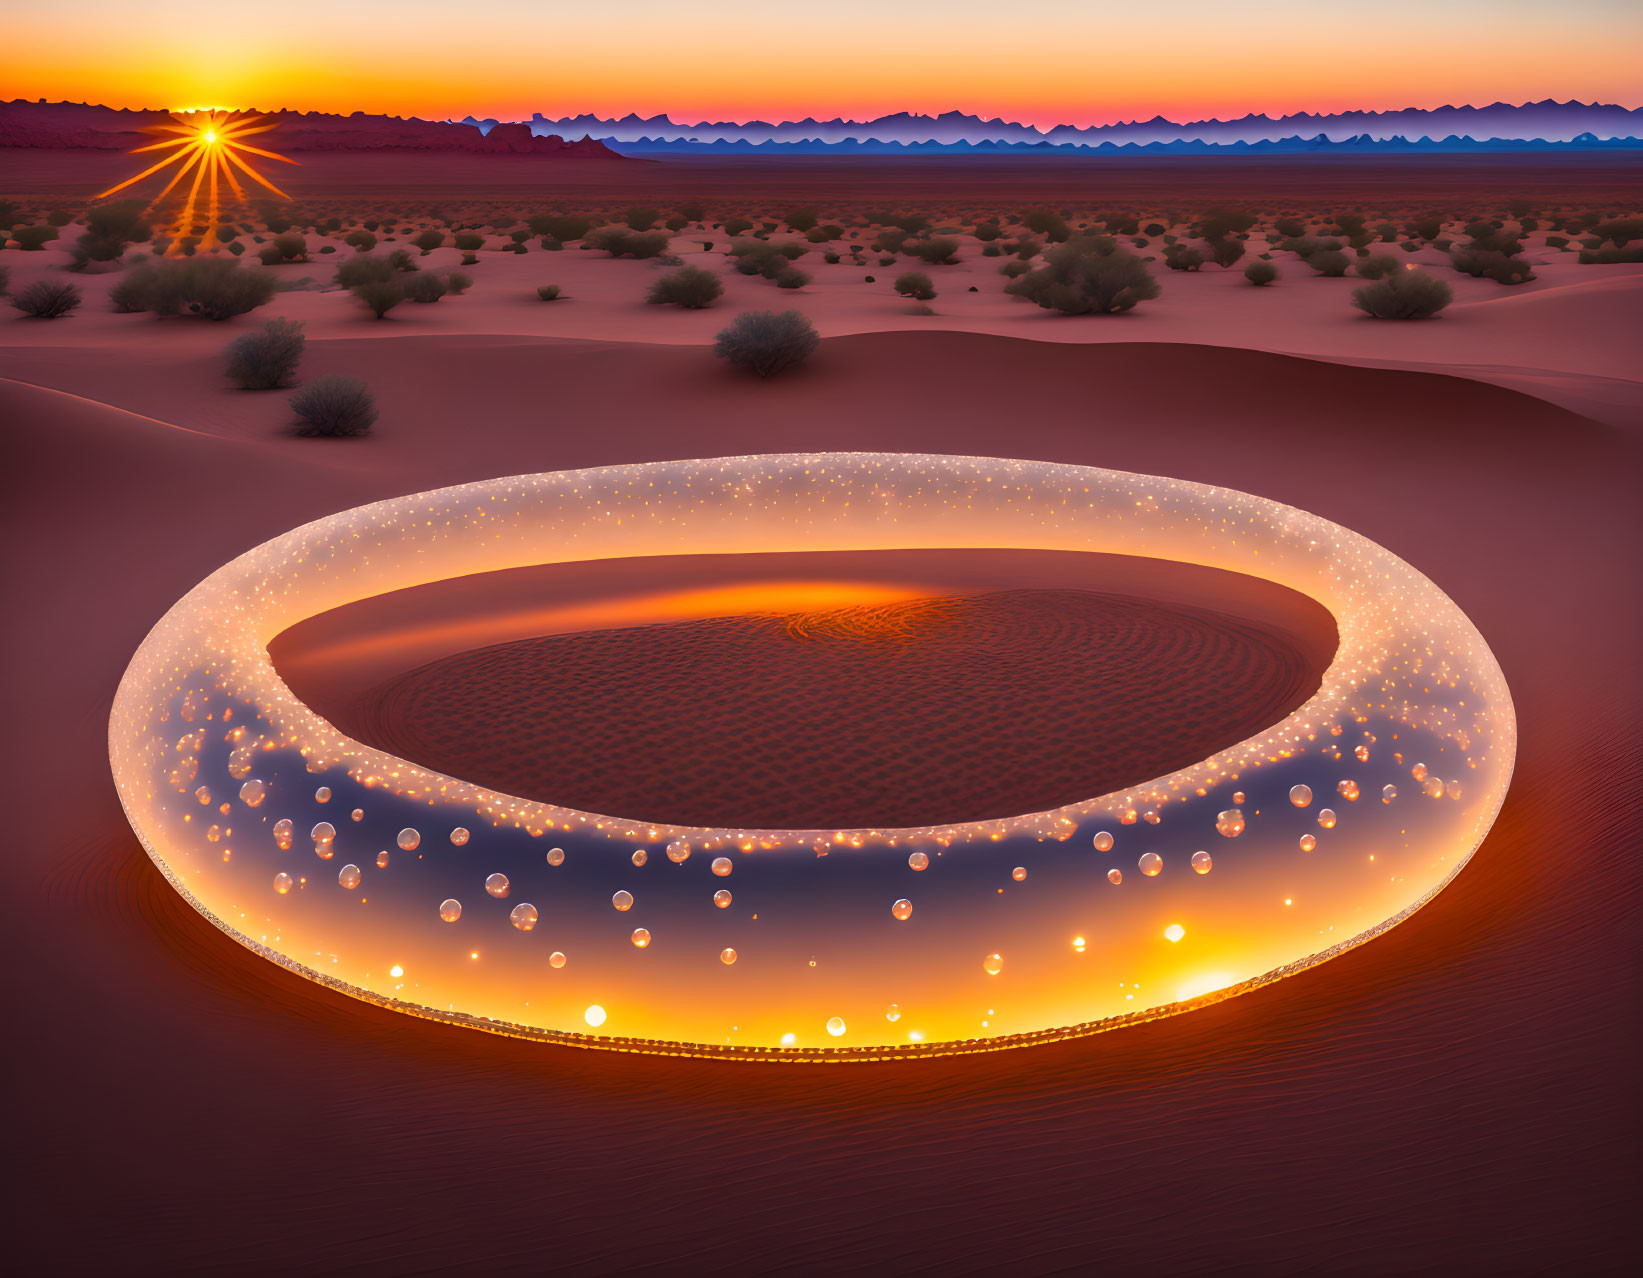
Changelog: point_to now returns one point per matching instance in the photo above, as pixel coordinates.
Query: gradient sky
(1037, 61)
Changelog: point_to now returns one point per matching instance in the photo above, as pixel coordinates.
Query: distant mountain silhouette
(1546, 121)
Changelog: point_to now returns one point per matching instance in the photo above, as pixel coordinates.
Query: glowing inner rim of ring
(424, 893)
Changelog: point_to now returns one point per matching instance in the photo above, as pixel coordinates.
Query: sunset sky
(1037, 61)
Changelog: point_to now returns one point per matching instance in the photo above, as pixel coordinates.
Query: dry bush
(46, 299)
(1492, 264)
(767, 342)
(938, 250)
(915, 284)
(548, 292)
(1404, 294)
(1260, 273)
(211, 288)
(1087, 277)
(1379, 267)
(335, 406)
(267, 359)
(690, 287)
(380, 296)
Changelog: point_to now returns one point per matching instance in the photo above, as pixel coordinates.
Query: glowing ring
(1410, 741)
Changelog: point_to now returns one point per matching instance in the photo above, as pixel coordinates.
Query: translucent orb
(357, 815)
(408, 840)
(1362, 753)
(282, 883)
(727, 956)
(396, 971)
(1202, 862)
(253, 792)
(1150, 864)
(324, 832)
(1432, 787)
(902, 910)
(622, 900)
(1238, 798)
(1115, 877)
(1019, 874)
(1452, 789)
(1229, 824)
(993, 964)
(721, 898)
(1308, 842)
(1174, 932)
(789, 1039)
(640, 938)
(382, 860)
(556, 856)
(349, 877)
(282, 834)
(523, 916)
(721, 866)
(450, 909)
(835, 1025)
(1418, 772)
(203, 794)
(497, 885)
(678, 851)
(1103, 842)
(556, 959)
(459, 836)
(594, 1016)
(1300, 795)
(1326, 818)
(640, 856)
(919, 861)
(1388, 793)
(1348, 790)
(893, 1013)
(323, 794)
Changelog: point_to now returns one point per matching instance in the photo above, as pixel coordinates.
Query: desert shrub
(424, 286)
(59, 217)
(736, 226)
(9, 213)
(109, 229)
(1490, 264)
(1178, 257)
(1052, 226)
(1260, 273)
(364, 269)
(791, 277)
(802, 219)
(1026, 247)
(887, 260)
(291, 247)
(690, 287)
(1119, 223)
(1611, 256)
(1349, 224)
(1330, 262)
(760, 257)
(938, 250)
(1226, 252)
(676, 222)
(548, 292)
(824, 234)
(380, 296)
(1154, 228)
(988, 231)
(468, 241)
(563, 227)
(456, 283)
(267, 359)
(211, 288)
(363, 241)
(429, 240)
(991, 250)
(915, 284)
(334, 405)
(400, 260)
(5, 280)
(1425, 228)
(1404, 294)
(832, 259)
(31, 239)
(1410, 246)
(621, 241)
(1557, 241)
(1379, 267)
(767, 342)
(641, 218)
(1221, 223)
(1015, 269)
(890, 240)
(1087, 277)
(1290, 228)
(1621, 230)
(46, 299)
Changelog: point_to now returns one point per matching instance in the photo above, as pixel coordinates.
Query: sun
(209, 145)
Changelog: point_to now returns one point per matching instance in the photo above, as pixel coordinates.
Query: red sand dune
(1458, 1095)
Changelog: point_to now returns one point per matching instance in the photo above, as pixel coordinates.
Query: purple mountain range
(1547, 121)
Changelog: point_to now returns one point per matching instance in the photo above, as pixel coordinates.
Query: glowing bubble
(727, 956)
(789, 1039)
(203, 794)
(497, 885)
(1229, 824)
(893, 1012)
(1150, 864)
(640, 856)
(902, 910)
(721, 898)
(1202, 862)
(721, 866)
(1115, 877)
(556, 959)
(622, 900)
(408, 840)
(1326, 818)
(1348, 790)
(396, 971)
(835, 1025)
(594, 1016)
(993, 964)
(323, 794)
(1103, 842)
(349, 877)
(640, 938)
(382, 860)
(1362, 752)
(459, 836)
(253, 792)
(556, 856)
(1388, 793)
(523, 916)
(282, 834)
(1019, 873)
(1078, 944)
(450, 909)
(918, 861)
(1300, 795)
(358, 814)
(1432, 787)
(1452, 789)
(282, 883)
(324, 832)
(1238, 798)
(1174, 932)
(1308, 842)
(678, 851)
(1418, 772)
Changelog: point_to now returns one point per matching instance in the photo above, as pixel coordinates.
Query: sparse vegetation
(267, 359)
(110, 229)
(767, 342)
(1260, 273)
(1179, 257)
(380, 296)
(1087, 277)
(31, 239)
(939, 250)
(424, 287)
(1379, 266)
(209, 287)
(1403, 294)
(690, 287)
(1330, 262)
(429, 240)
(1492, 264)
(46, 299)
(622, 241)
(333, 405)
(915, 284)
